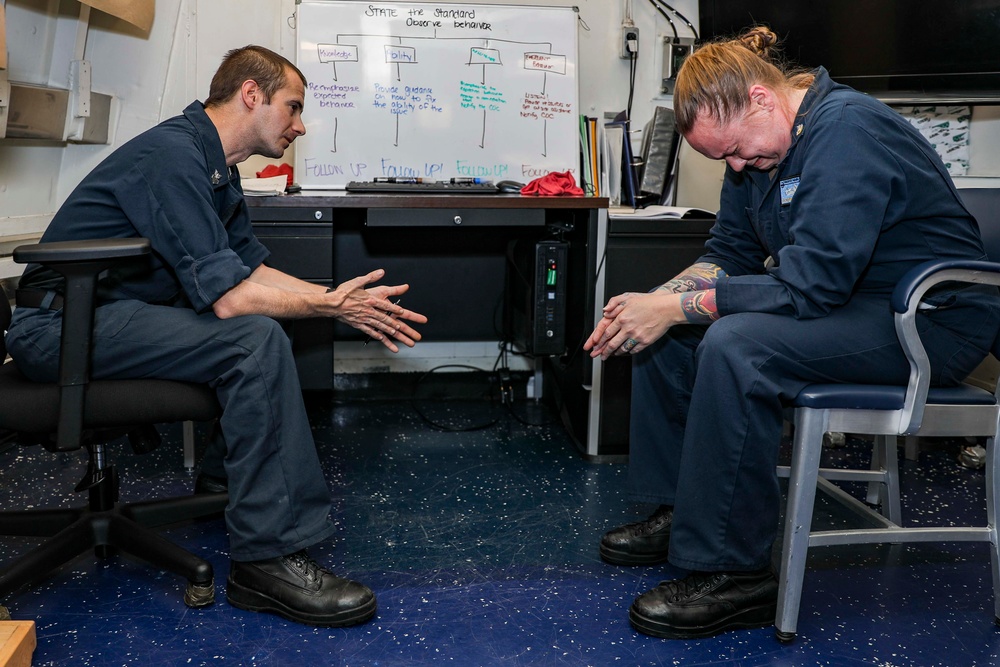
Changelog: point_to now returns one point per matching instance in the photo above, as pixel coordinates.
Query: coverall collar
(215, 157)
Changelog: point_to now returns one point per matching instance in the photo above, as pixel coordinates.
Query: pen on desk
(395, 179)
(370, 339)
(463, 181)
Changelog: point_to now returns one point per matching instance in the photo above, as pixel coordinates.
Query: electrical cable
(665, 15)
(631, 85)
(565, 361)
(501, 371)
(694, 31)
(438, 425)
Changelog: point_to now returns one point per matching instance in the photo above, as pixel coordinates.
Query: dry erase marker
(464, 181)
(395, 303)
(392, 179)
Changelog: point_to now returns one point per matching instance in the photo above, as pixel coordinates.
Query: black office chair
(888, 412)
(79, 413)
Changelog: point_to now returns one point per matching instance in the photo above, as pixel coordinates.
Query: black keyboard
(432, 187)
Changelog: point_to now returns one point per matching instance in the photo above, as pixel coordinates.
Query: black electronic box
(537, 296)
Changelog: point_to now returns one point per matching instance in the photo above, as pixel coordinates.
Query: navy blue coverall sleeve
(176, 208)
(857, 201)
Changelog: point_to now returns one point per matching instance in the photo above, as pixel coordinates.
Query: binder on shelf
(591, 179)
(586, 173)
(595, 167)
(630, 195)
(659, 155)
(614, 137)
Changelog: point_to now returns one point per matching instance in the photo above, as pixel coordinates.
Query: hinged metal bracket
(80, 78)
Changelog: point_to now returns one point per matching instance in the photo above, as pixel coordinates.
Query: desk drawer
(458, 217)
(291, 214)
(302, 250)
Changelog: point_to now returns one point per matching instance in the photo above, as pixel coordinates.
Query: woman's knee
(737, 338)
(728, 330)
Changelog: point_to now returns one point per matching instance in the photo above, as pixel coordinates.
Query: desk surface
(344, 199)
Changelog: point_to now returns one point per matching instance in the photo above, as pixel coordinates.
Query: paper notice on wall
(947, 130)
(137, 12)
(3, 38)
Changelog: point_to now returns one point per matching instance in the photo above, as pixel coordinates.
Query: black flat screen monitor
(920, 49)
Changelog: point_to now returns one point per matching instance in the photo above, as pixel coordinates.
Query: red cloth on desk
(553, 184)
(276, 170)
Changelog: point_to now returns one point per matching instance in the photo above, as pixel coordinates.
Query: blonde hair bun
(761, 40)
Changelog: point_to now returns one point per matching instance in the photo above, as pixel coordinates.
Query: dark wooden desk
(452, 250)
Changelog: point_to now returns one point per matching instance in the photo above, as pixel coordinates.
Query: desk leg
(594, 411)
(537, 388)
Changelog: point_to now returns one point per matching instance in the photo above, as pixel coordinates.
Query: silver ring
(629, 344)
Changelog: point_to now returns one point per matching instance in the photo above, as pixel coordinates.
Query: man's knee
(259, 333)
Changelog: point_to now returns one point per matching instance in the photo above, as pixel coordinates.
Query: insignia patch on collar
(216, 177)
(788, 187)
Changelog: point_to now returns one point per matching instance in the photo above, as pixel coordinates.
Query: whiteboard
(436, 91)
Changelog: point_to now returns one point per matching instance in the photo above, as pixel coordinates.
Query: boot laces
(653, 523)
(691, 585)
(309, 568)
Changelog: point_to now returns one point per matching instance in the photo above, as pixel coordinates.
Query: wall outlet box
(629, 43)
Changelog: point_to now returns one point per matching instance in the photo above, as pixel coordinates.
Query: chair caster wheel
(199, 595)
(784, 637)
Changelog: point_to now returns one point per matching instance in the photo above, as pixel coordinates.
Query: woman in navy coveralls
(829, 198)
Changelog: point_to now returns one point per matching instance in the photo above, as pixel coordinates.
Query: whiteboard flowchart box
(337, 53)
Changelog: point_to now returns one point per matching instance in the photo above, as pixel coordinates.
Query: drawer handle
(458, 219)
(318, 215)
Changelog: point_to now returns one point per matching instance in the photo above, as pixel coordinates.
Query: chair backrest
(5, 315)
(984, 204)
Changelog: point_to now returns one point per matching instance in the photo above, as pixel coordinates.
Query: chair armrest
(905, 302)
(59, 252)
(913, 282)
(80, 263)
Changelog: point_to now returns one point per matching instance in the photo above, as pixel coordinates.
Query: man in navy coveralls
(203, 309)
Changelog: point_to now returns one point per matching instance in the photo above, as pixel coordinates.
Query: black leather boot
(704, 604)
(642, 543)
(297, 588)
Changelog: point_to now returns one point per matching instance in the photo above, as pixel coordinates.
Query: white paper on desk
(661, 212)
(263, 187)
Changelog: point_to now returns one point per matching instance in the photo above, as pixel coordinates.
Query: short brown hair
(717, 77)
(262, 65)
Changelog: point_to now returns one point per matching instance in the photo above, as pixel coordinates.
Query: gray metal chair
(888, 412)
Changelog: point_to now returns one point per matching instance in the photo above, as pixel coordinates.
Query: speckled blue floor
(481, 548)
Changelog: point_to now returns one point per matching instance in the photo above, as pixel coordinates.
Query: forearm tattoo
(697, 277)
(699, 307)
